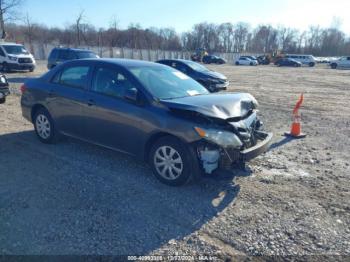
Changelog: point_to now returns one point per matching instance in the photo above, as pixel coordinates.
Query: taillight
(23, 88)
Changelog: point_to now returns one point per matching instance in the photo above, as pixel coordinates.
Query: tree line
(226, 37)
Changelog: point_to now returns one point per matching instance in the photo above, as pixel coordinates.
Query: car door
(67, 96)
(347, 63)
(111, 119)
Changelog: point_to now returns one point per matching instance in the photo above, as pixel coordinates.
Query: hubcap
(43, 127)
(168, 162)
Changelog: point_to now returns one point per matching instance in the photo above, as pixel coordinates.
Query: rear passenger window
(75, 76)
(71, 55)
(63, 54)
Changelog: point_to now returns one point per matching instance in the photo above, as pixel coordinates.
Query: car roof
(120, 62)
(73, 49)
(8, 43)
(176, 60)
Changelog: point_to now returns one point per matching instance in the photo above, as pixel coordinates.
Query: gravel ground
(75, 198)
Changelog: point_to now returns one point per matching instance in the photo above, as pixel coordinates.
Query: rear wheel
(2, 100)
(173, 163)
(44, 126)
(237, 63)
(312, 64)
(334, 66)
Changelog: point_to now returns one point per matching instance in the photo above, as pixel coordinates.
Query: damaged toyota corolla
(148, 110)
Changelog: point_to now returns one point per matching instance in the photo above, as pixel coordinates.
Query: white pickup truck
(343, 62)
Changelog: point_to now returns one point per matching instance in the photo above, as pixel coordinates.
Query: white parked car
(246, 61)
(343, 62)
(309, 60)
(15, 57)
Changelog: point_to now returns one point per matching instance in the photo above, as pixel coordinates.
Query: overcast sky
(183, 14)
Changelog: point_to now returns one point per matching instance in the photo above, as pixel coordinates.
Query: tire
(312, 64)
(2, 100)
(5, 67)
(334, 66)
(45, 127)
(173, 163)
(31, 70)
(251, 63)
(237, 63)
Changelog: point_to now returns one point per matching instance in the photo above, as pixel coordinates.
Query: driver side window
(182, 68)
(110, 82)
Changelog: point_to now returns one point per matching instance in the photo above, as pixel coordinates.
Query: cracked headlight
(219, 137)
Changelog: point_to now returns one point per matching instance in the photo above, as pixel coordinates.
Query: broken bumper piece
(225, 158)
(233, 157)
(261, 147)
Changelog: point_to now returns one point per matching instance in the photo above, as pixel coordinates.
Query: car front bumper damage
(215, 157)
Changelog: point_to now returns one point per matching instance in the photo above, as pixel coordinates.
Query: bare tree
(78, 27)
(29, 32)
(8, 12)
(241, 31)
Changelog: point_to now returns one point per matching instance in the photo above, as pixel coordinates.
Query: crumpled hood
(223, 106)
(214, 75)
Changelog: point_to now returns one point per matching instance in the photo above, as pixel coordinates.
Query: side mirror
(131, 95)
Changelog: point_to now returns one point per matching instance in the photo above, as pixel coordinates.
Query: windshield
(15, 49)
(167, 83)
(196, 66)
(82, 55)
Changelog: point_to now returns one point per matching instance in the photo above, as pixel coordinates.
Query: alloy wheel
(43, 126)
(168, 163)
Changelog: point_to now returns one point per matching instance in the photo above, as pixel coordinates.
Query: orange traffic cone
(295, 131)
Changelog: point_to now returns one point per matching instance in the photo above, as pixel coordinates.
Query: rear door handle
(91, 102)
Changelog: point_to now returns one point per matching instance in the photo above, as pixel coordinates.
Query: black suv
(60, 55)
(4, 88)
(213, 81)
(212, 59)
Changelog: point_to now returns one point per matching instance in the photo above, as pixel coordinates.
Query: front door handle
(91, 102)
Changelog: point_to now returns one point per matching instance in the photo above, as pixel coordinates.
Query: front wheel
(45, 127)
(172, 162)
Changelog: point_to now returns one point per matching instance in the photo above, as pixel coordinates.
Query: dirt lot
(74, 198)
